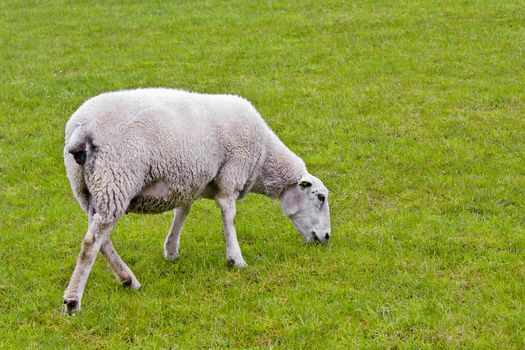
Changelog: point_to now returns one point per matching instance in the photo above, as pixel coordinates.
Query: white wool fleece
(152, 150)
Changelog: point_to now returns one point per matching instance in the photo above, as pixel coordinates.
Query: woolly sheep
(153, 150)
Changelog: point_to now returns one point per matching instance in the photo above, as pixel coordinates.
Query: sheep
(154, 150)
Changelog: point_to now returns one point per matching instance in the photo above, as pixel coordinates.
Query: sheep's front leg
(122, 272)
(233, 251)
(97, 233)
(171, 244)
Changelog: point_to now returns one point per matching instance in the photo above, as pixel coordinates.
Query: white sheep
(153, 150)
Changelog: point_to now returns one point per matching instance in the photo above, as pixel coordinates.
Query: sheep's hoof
(130, 283)
(127, 283)
(71, 305)
(237, 263)
(171, 256)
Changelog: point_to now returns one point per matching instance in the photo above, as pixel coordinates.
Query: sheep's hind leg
(121, 271)
(171, 244)
(233, 251)
(97, 233)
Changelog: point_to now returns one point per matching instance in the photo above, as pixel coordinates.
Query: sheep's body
(152, 150)
(157, 149)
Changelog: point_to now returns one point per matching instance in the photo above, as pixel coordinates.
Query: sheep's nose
(327, 236)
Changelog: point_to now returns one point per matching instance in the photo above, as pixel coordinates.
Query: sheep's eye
(321, 197)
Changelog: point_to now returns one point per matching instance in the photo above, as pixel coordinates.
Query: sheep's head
(306, 204)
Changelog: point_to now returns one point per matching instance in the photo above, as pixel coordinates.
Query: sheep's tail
(79, 147)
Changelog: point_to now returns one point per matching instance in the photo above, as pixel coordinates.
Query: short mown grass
(413, 113)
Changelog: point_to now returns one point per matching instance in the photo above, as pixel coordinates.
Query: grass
(411, 112)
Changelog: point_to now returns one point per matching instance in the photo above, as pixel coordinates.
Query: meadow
(412, 113)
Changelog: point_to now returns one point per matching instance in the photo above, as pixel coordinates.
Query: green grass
(413, 113)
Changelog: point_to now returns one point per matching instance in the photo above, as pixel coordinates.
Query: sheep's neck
(281, 169)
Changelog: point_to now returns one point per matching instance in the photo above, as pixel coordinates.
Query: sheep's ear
(304, 184)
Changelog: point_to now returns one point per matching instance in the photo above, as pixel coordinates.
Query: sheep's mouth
(318, 240)
(312, 238)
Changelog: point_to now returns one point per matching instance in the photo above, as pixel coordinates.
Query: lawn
(412, 113)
